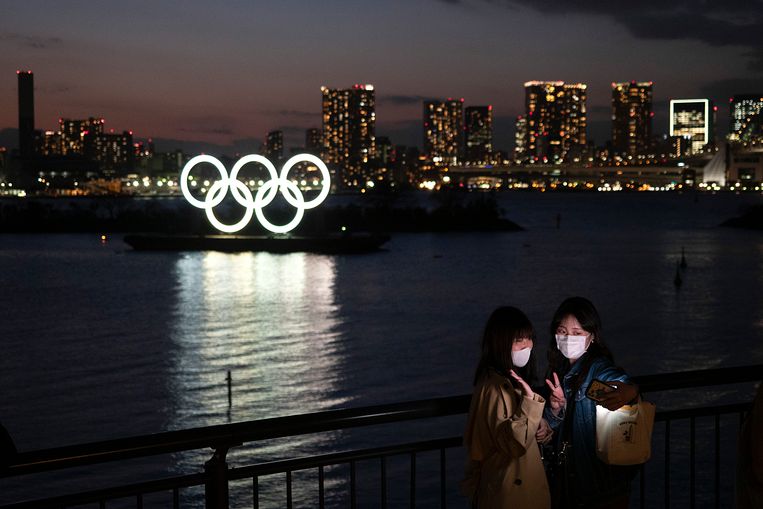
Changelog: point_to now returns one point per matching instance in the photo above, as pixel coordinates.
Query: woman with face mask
(576, 357)
(504, 467)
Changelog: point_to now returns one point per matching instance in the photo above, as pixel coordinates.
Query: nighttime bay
(106, 342)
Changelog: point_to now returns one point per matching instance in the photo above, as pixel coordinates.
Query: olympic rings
(264, 196)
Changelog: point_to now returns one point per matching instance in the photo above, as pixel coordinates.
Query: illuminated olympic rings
(264, 196)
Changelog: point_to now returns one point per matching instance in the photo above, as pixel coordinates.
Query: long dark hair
(584, 311)
(504, 326)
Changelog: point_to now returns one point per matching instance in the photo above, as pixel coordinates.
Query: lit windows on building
(443, 131)
(478, 135)
(520, 138)
(555, 121)
(114, 151)
(631, 117)
(274, 146)
(746, 112)
(692, 119)
(349, 131)
(78, 137)
(313, 141)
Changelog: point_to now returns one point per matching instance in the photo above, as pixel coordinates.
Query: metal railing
(217, 475)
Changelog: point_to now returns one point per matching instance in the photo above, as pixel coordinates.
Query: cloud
(721, 90)
(292, 113)
(728, 23)
(31, 41)
(207, 130)
(401, 100)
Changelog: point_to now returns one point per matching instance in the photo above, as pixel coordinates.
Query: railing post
(216, 486)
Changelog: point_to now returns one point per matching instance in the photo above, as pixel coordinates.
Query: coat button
(518, 482)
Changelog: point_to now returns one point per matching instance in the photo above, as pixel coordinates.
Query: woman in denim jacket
(579, 356)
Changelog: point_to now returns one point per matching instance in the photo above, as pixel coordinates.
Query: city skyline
(131, 65)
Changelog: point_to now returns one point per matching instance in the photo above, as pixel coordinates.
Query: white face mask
(520, 357)
(572, 347)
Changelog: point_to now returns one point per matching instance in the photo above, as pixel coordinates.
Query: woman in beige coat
(504, 467)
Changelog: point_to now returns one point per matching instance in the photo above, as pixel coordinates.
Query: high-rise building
(274, 146)
(313, 142)
(443, 131)
(384, 149)
(556, 121)
(478, 134)
(114, 151)
(692, 118)
(520, 138)
(349, 131)
(26, 113)
(79, 137)
(631, 117)
(746, 112)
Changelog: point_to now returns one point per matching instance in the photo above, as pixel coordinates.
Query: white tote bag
(624, 436)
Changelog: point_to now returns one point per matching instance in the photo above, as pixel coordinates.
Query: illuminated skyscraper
(746, 112)
(520, 138)
(631, 117)
(556, 121)
(26, 113)
(443, 131)
(114, 151)
(349, 131)
(274, 146)
(478, 134)
(692, 118)
(79, 137)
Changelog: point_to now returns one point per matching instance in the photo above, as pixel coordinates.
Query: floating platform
(328, 244)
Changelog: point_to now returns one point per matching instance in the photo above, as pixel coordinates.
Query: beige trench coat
(504, 468)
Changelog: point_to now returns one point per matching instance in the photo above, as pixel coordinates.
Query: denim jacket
(594, 481)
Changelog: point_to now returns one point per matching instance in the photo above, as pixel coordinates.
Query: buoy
(230, 394)
(677, 280)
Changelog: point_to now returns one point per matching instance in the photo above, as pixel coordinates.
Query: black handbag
(562, 473)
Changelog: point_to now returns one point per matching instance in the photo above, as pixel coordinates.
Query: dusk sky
(228, 72)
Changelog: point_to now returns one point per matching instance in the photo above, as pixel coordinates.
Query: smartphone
(598, 389)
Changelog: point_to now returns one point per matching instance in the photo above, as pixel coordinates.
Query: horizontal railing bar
(227, 435)
(323, 460)
(233, 434)
(699, 378)
(687, 413)
(123, 491)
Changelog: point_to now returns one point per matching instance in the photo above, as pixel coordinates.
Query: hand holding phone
(598, 389)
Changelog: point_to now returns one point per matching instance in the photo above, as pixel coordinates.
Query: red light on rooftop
(462, 99)
(490, 107)
(715, 108)
(130, 132)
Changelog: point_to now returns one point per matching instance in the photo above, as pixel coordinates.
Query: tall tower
(26, 113)
(692, 118)
(443, 131)
(349, 131)
(478, 134)
(556, 120)
(631, 117)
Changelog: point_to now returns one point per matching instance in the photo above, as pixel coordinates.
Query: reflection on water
(269, 319)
